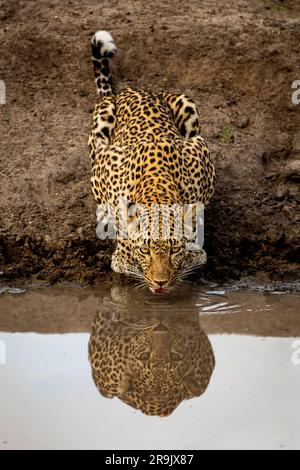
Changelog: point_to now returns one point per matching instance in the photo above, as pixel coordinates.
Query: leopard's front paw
(121, 263)
(116, 265)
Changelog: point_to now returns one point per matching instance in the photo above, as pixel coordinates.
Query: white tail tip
(105, 42)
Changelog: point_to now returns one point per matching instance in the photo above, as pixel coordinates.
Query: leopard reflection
(151, 359)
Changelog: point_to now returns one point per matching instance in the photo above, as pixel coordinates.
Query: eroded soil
(237, 61)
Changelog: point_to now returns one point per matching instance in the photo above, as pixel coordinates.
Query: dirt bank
(238, 62)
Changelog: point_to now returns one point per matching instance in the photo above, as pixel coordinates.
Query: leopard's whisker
(191, 268)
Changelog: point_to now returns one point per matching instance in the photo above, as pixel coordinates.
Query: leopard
(151, 359)
(145, 148)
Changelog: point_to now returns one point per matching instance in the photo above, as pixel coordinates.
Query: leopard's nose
(161, 283)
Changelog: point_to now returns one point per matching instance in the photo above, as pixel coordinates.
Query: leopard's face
(157, 347)
(157, 253)
(151, 365)
(158, 265)
(159, 261)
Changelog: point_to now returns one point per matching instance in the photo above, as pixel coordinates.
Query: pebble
(83, 93)
(11, 290)
(292, 170)
(242, 123)
(47, 239)
(16, 290)
(79, 232)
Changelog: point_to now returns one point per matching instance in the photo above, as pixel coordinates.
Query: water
(221, 365)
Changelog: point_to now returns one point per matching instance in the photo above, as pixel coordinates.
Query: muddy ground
(237, 59)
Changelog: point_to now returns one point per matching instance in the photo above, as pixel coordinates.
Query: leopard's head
(161, 250)
(159, 262)
(151, 364)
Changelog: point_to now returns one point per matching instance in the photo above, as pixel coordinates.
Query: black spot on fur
(189, 110)
(105, 71)
(96, 52)
(105, 131)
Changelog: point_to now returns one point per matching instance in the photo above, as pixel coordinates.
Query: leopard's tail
(103, 48)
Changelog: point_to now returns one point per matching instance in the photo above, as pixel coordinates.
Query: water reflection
(148, 353)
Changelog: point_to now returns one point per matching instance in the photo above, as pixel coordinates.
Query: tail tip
(104, 42)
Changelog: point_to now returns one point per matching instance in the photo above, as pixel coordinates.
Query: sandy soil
(238, 62)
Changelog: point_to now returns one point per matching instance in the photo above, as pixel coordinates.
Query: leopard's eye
(175, 249)
(145, 250)
(145, 356)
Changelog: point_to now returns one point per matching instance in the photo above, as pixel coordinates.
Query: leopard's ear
(192, 386)
(193, 222)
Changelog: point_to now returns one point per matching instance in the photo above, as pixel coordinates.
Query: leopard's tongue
(160, 291)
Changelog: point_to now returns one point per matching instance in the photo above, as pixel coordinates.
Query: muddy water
(208, 367)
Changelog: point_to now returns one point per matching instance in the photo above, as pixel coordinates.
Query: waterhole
(202, 368)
